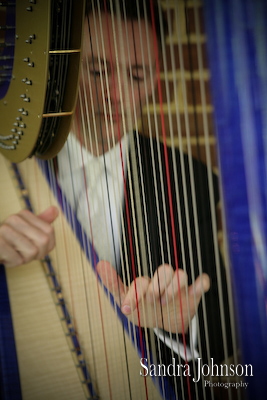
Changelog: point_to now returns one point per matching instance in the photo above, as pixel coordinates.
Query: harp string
(209, 170)
(152, 338)
(109, 190)
(149, 243)
(144, 201)
(88, 316)
(93, 111)
(156, 193)
(192, 181)
(165, 217)
(75, 269)
(150, 131)
(61, 202)
(126, 196)
(81, 236)
(118, 188)
(87, 127)
(116, 174)
(132, 168)
(211, 190)
(94, 256)
(145, 272)
(207, 152)
(214, 223)
(213, 217)
(191, 175)
(90, 320)
(151, 72)
(90, 254)
(104, 103)
(110, 111)
(84, 130)
(123, 113)
(168, 185)
(71, 256)
(176, 181)
(184, 190)
(141, 177)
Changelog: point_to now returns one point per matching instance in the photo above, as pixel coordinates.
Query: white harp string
(79, 268)
(191, 175)
(177, 189)
(124, 268)
(162, 194)
(130, 168)
(104, 231)
(167, 329)
(110, 111)
(145, 264)
(116, 173)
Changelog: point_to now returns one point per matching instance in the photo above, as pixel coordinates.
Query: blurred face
(95, 97)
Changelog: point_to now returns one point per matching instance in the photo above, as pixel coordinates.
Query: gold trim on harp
(60, 114)
(64, 51)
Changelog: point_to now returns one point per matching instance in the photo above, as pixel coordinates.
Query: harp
(108, 368)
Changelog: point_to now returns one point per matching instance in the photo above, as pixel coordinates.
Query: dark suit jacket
(205, 235)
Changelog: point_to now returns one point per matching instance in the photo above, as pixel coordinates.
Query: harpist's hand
(166, 299)
(25, 237)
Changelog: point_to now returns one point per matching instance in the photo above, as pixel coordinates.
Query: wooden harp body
(72, 339)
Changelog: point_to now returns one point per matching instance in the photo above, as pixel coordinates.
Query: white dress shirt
(97, 203)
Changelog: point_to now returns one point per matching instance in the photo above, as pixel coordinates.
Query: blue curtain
(237, 49)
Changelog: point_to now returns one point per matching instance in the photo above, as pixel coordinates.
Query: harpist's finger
(201, 281)
(16, 248)
(110, 279)
(43, 224)
(179, 282)
(36, 242)
(195, 292)
(8, 256)
(137, 290)
(49, 215)
(161, 279)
